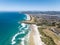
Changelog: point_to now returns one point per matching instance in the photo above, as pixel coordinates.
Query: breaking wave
(21, 34)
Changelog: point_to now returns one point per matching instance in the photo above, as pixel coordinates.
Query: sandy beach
(35, 36)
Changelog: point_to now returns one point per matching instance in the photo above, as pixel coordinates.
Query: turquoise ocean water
(11, 31)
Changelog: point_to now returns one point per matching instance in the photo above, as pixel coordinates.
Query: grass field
(46, 39)
(52, 35)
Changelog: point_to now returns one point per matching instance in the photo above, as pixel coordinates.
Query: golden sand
(31, 41)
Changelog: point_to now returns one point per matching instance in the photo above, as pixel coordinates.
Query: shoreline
(36, 33)
(30, 20)
(36, 36)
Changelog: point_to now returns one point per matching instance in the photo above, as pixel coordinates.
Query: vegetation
(46, 39)
(54, 37)
(58, 25)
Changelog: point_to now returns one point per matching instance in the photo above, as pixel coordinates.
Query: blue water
(9, 27)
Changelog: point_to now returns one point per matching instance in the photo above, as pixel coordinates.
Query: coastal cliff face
(48, 36)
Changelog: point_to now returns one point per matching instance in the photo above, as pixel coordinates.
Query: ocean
(12, 32)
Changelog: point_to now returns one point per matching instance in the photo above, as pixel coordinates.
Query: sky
(29, 5)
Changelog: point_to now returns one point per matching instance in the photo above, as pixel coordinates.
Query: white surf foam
(23, 26)
(13, 42)
(22, 43)
(28, 17)
(27, 27)
(25, 39)
(13, 38)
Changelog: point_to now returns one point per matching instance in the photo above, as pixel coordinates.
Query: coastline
(28, 17)
(34, 36)
(30, 20)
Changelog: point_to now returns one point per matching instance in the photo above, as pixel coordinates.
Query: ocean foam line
(13, 42)
(22, 43)
(26, 38)
(13, 39)
(27, 27)
(23, 26)
(22, 32)
(28, 17)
